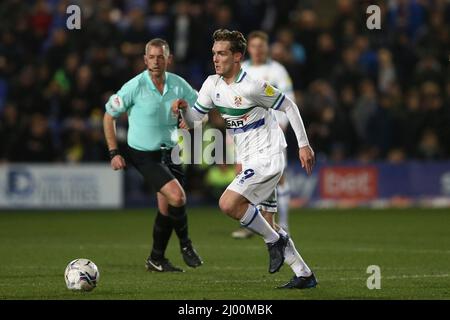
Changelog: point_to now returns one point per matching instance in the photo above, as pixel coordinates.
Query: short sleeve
(191, 95)
(204, 101)
(120, 102)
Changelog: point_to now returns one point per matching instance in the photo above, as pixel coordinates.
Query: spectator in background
(38, 55)
(33, 100)
(366, 105)
(380, 127)
(345, 21)
(429, 146)
(437, 115)
(325, 59)
(428, 68)
(406, 16)
(368, 60)
(186, 27)
(58, 49)
(39, 21)
(136, 34)
(10, 128)
(35, 142)
(413, 121)
(348, 72)
(159, 20)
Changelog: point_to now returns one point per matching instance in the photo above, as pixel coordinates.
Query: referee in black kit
(152, 134)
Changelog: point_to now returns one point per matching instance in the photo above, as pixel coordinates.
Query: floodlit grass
(411, 246)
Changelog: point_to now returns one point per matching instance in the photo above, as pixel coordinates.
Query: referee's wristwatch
(113, 153)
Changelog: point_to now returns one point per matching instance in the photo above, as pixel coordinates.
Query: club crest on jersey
(238, 101)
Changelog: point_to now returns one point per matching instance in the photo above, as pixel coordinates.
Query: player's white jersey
(245, 105)
(276, 74)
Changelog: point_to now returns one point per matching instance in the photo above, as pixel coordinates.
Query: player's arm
(306, 153)
(272, 98)
(190, 116)
(190, 98)
(114, 107)
(197, 113)
(284, 84)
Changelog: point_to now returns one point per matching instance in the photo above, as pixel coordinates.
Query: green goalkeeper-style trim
(233, 112)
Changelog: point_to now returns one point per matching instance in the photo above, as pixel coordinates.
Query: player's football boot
(190, 256)
(300, 283)
(162, 265)
(242, 233)
(276, 253)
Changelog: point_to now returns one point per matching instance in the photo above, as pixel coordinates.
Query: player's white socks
(253, 220)
(283, 199)
(294, 259)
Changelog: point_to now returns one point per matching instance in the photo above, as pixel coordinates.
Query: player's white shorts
(271, 203)
(258, 180)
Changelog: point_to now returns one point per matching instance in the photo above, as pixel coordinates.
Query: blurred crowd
(364, 95)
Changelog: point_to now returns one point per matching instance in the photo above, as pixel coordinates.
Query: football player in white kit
(244, 103)
(260, 66)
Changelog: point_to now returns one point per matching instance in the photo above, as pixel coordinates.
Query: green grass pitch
(411, 247)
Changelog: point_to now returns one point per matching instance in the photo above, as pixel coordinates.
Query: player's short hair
(236, 39)
(158, 42)
(258, 34)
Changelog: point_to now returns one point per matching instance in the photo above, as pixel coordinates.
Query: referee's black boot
(190, 256)
(276, 253)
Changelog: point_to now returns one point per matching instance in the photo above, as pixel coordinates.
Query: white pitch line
(404, 276)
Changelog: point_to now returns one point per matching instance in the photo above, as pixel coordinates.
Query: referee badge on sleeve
(116, 103)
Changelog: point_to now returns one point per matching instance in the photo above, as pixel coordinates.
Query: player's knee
(226, 206)
(177, 199)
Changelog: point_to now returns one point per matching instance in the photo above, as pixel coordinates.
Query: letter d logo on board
(20, 182)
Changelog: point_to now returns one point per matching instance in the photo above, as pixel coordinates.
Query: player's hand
(306, 155)
(183, 125)
(177, 105)
(118, 162)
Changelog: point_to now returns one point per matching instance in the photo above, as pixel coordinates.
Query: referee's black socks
(179, 220)
(162, 229)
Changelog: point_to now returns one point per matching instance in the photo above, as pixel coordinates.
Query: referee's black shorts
(156, 167)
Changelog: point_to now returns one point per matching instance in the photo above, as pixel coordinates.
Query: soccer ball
(81, 274)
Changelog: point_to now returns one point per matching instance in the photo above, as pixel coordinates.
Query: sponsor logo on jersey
(269, 90)
(237, 122)
(217, 96)
(234, 123)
